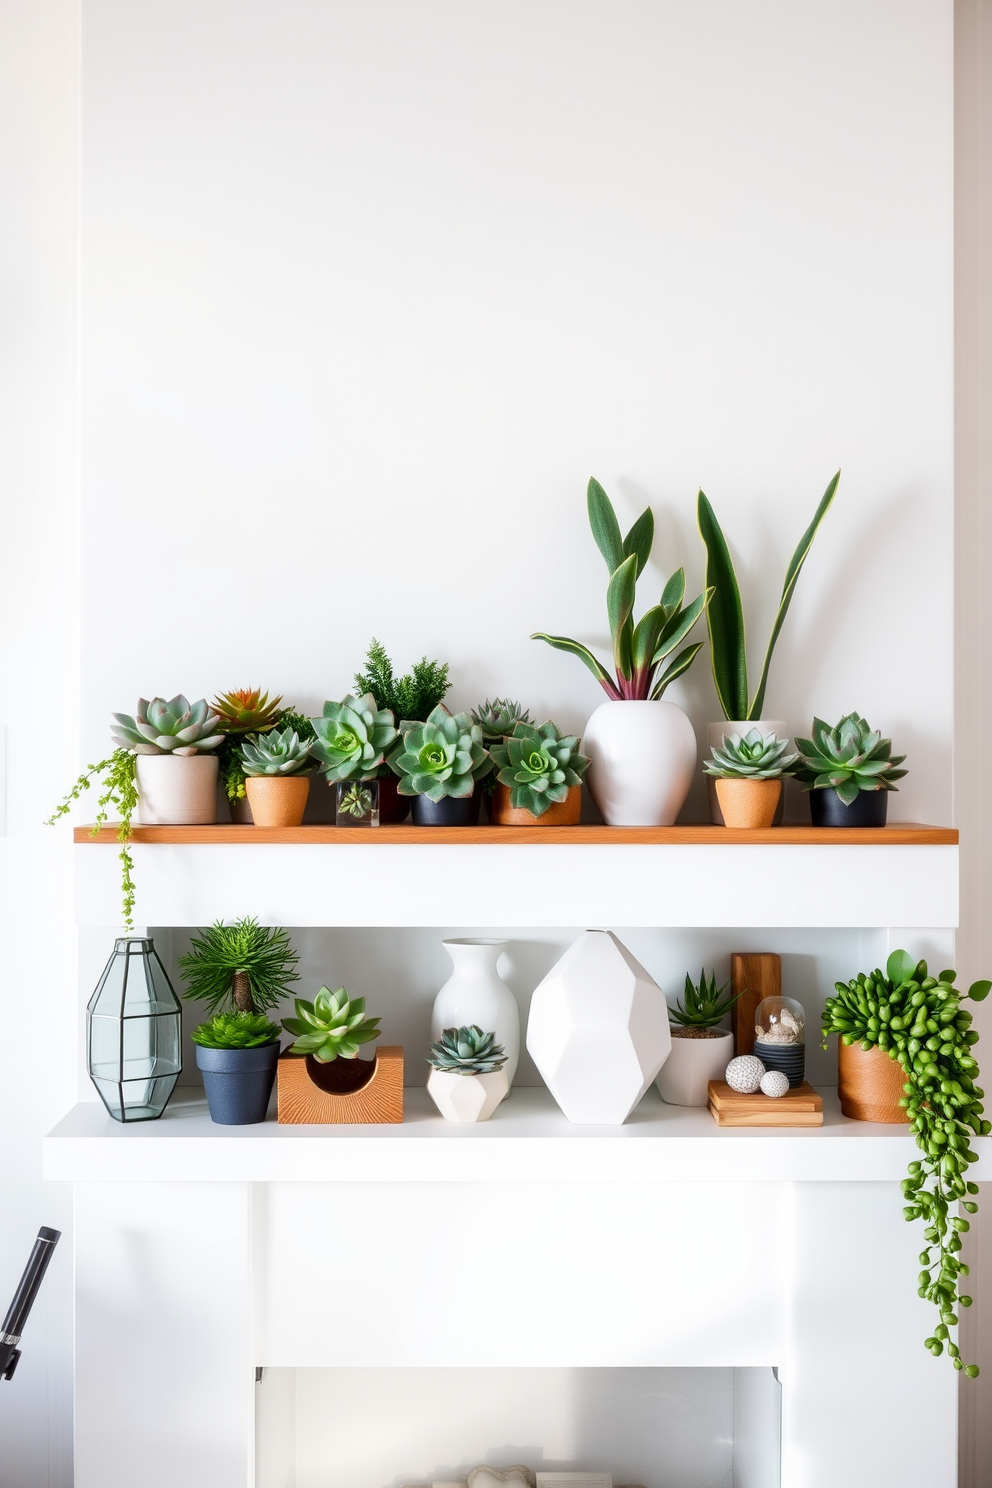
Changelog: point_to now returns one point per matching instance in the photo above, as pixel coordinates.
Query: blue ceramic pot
(238, 1082)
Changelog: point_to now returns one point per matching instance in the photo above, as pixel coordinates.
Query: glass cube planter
(356, 803)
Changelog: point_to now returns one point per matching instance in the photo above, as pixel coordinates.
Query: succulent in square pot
(237, 1053)
(848, 771)
(351, 740)
(439, 763)
(467, 1079)
(276, 779)
(176, 766)
(747, 771)
(700, 1047)
(538, 779)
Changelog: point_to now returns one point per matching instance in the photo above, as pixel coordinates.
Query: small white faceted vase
(598, 1030)
(715, 735)
(642, 760)
(476, 993)
(177, 789)
(467, 1097)
(692, 1064)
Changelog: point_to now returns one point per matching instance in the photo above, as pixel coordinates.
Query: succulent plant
(333, 1026)
(247, 710)
(412, 697)
(751, 756)
(352, 737)
(540, 765)
(235, 1031)
(497, 719)
(281, 752)
(849, 758)
(703, 1005)
(467, 1051)
(442, 757)
(173, 727)
(354, 800)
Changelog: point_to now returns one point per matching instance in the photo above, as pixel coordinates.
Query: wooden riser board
(800, 1107)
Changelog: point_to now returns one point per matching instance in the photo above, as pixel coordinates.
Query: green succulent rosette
(443, 757)
(539, 765)
(333, 1026)
(751, 756)
(236, 1031)
(848, 758)
(172, 726)
(281, 752)
(352, 738)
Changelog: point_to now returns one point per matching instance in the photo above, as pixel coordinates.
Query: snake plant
(849, 758)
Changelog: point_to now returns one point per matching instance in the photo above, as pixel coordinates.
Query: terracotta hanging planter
(560, 814)
(748, 804)
(870, 1085)
(277, 800)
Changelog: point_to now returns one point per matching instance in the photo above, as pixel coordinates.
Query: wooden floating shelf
(899, 834)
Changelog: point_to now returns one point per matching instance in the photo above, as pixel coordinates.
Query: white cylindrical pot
(178, 790)
(476, 993)
(642, 759)
(715, 735)
(692, 1064)
(467, 1097)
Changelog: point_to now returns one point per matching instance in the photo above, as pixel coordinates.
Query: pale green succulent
(333, 1026)
(173, 727)
(467, 1051)
(497, 719)
(849, 758)
(282, 752)
(352, 737)
(443, 757)
(751, 756)
(539, 765)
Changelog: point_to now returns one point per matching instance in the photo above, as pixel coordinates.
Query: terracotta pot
(560, 814)
(277, 800)
(870, 1085)
(715, 735)
(748, 804)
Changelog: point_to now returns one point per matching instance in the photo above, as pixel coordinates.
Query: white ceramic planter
(690, 1067)
(177, 790)
(598, 1030)
(642, 759)
(467, 1097)
(715, 735)
(476, 993)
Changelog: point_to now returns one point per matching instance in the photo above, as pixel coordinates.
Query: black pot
(393, 808)
(450, 811)
(789, 1058)
(868, 809)
(238, 1082)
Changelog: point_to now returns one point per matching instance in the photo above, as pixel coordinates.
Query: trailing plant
(751, 756)
(173, 727)
(919, 1020)
(539, 765)
(467, 1051)
(352, 738)
(236, 1031)
(725, 615)
(497, 719)
(247, 710)
(333, 1026)
(638, 649)
(443, 756)
(703, 1004)
(279, 752)
(246, 964)
(412, 697)
(121, 792)
(850, 758)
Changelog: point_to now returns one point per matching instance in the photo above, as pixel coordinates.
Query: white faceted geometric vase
(466, 1097)
(598, 1030)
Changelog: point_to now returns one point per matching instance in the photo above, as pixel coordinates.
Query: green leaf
(619, 607)
(604, 524)
(679, 626)
(724, 616)
(978, 991)
(646, 635)
(900, 967)
(791, 578)
(639, 539)
(575, 648)
(673, 592)
(681, 664)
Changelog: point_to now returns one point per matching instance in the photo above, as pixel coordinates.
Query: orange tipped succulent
(247, 710)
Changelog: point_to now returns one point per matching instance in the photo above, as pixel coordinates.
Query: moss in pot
(848, 771)
(701, 1050)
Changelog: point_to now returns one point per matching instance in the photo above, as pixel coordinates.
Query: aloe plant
(751, 756)
(539, 765)
(725, 615)
(638, 648)
(849, 758)
(703, 1005)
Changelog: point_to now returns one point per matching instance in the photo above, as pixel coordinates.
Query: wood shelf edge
(899, 834)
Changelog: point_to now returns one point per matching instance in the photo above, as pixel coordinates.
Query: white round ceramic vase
(715, 735)
(476, 993)
(466, 1097)
(642, 760)
(686, 1073)
(177, 789)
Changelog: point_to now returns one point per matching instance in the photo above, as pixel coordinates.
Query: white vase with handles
(642, 761)
(715, 735)
(476, 993)
(177, 789)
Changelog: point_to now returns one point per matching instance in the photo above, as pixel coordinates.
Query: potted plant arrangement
(848, 771)
(700, 1048)
(725, 623)
(643, 753)
(438, 764)
(275, 766)
(176, 767)
(412, 698)
(242, 712)
(117, 775)
(467, 1079)
(498, 719)
(322, 1078)
(352, 738)
(747, 770)
(240, 971)
(539, 778)
(913, 1026)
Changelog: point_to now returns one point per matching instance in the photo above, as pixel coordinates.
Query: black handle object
(27, 1289)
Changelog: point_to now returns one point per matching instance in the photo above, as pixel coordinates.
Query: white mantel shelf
(527, 1141)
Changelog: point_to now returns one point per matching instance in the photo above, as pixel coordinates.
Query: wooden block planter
(310, 1093)
(799, 1107)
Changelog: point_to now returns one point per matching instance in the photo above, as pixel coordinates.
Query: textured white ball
(774, 1083)
(744, 1074)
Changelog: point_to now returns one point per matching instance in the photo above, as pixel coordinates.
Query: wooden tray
(799, 1107)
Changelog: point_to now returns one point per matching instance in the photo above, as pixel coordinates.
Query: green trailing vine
(919, 1020)
(120, 791)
